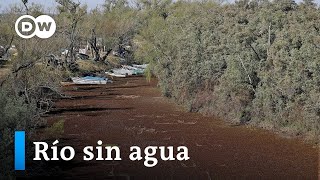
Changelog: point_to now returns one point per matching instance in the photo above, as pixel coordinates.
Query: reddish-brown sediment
(132, 112)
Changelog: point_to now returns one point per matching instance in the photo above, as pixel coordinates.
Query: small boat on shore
(89, 80)
(127, 70)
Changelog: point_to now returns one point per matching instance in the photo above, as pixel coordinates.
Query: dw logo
(43, 26)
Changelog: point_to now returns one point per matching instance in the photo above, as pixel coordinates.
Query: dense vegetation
(250, 62)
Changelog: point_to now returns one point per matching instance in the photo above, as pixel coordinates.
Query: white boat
(127, 71)
(129, 67)
(123, 71)
(89, 80)
(116, 75)
(143, 66)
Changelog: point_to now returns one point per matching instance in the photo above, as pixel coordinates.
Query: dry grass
(114, 60)
(4, 71)
(91, 66)
(57, 129)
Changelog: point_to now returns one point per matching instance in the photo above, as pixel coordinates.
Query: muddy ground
(132, 112)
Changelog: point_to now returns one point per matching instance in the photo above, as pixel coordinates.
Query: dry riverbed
(132, 112)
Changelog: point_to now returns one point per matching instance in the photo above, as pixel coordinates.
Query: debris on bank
(90, 80)
(127, 70)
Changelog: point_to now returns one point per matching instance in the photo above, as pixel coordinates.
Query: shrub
(15, 115)
(249, 62)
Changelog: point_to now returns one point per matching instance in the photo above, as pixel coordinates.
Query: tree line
(250, 62)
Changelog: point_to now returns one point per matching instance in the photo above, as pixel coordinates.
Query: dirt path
(132, 112)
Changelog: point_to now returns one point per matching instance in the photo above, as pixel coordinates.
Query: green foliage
(56, 129)
(15, 115)
(249, 62)
(26, 90)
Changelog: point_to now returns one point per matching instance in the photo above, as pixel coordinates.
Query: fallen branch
(25, 66)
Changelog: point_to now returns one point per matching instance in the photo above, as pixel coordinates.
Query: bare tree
(25, 2)
(93, 44)
(75, 14)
